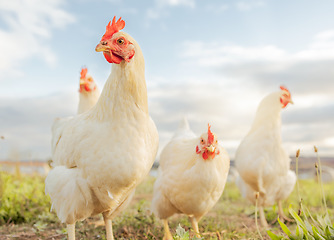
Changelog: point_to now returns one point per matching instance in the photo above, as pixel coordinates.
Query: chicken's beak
(291, 102)
(211, 148)
(102, 46)
(82, 81)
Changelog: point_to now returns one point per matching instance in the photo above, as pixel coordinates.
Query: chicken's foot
(71, 231)
(109, 232)
(263, 220)
(167, 235)
(281, 212)
(194, 224)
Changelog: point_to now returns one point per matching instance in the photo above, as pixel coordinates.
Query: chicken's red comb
(83, 72)
(210, 135)
(284, 89)
(113, 27)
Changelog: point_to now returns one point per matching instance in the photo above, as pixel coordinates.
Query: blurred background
(211, 61)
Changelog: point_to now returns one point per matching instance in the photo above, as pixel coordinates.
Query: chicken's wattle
(112, 58)
(206, 154)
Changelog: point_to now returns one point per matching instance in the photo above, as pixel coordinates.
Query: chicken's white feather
(108, 149)
(261, 160)
(110, 195)
(186, 183)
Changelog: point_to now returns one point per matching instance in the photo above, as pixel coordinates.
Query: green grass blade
(305, 226)
(284, 228)
(308, 226)
(299, 232)
(273, 236)
(327, 220)
(322, 226)
(331, 230)
(328, 232)
(310, 215)
(297, 218)
(316, 234)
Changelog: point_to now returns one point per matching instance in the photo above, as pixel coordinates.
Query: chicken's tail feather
(184, 130)
(287, 185)
(184, 124)
(70, 194)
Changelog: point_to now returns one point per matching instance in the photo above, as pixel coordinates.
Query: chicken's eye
(202, 141)
(120, 41)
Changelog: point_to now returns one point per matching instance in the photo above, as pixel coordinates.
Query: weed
(307, 227)
(182, 234)
(23, 199)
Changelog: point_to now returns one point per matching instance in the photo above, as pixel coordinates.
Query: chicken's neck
(268, 113)
(125, 90)
(87, 100)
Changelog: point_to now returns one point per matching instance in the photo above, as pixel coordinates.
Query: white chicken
(191, 177)
(261, 160)
(89, 93)
(101, 155)
(88, 96)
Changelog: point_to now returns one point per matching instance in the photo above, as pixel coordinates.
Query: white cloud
(153, 13)
(26, 122)
(309, 68)
(28, 25)
(248, 5)
(217, 8)
(129, 11)
(322, 48)
(329, 141)
(306, 101)
(187, 3)
(243, 6)
(217, 54)
(160, 7)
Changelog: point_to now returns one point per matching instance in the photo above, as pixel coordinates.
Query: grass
(24, 213)
(309, 226)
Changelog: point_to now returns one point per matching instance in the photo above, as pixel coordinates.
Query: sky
(210, 61)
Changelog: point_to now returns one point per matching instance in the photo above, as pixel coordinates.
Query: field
(25, 213)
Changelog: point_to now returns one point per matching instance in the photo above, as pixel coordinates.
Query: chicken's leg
(108, 224)
(71, 231)
(194, 224)
(281, 212)
(167, 235)
(263, 217)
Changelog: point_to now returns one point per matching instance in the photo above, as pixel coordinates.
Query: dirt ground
(93, 228)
